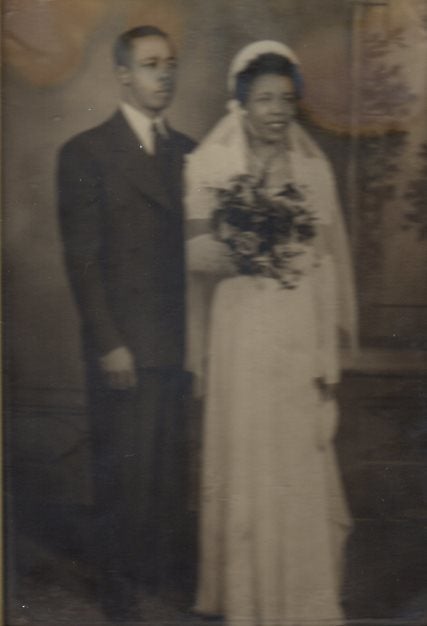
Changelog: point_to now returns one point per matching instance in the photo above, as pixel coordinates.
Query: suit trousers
(139, 446)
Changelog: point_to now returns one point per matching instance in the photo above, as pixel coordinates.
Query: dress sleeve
(207, 262)
(204, 254)
(199, 199)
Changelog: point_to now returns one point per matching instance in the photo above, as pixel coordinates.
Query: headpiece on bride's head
(250, 54)
(228, 131)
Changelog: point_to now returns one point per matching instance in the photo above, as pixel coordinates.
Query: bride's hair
(269, 63)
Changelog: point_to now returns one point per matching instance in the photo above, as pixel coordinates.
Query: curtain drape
(387, 183)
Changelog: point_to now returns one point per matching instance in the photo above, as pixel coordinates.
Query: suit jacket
(121, 220)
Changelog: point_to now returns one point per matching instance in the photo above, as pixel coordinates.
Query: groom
(120, 208)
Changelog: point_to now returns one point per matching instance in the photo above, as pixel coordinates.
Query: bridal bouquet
(266, 234)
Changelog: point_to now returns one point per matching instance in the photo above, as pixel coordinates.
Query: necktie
(162, 155)
(160, 142)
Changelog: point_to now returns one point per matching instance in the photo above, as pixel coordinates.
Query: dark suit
(121, 220)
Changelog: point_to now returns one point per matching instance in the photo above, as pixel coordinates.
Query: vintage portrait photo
(215, 312)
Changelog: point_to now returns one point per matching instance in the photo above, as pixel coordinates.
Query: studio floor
(50, 588)
(382, 445)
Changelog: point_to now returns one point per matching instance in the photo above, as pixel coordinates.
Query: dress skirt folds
(273, 518)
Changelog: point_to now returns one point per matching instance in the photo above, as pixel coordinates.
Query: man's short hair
(123, 45)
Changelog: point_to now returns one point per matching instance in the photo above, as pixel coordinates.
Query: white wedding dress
(267, 543)
(273, 516)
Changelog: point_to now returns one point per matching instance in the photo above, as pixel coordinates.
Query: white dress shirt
(142, 126)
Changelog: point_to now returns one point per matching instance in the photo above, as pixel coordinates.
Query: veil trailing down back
(273, 514)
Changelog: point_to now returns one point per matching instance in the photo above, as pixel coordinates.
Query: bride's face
(271, 106)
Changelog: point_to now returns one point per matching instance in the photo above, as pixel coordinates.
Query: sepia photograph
(214, 312)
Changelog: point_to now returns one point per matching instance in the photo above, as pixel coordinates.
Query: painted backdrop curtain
(388, 170)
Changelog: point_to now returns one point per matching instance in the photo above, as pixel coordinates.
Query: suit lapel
(141, 169)
(175, 167)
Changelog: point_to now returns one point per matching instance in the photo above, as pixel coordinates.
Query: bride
(263, 348)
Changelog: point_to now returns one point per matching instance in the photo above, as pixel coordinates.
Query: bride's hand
(327, 419)
(326, 390)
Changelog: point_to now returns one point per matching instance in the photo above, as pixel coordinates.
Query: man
(120, 207)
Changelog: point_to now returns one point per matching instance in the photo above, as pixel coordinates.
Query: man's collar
(136, 116)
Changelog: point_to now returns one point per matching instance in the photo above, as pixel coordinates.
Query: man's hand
(119, 368)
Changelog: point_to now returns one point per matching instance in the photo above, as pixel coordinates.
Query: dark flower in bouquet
(265, 233)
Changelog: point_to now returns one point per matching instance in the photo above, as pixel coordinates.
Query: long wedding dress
(273, 515)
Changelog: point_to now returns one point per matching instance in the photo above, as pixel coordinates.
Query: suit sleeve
(80, 202)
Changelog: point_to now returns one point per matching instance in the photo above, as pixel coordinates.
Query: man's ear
(123, 74)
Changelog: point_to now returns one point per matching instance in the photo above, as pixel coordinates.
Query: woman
(273, 518)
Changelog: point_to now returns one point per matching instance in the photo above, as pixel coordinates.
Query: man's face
(149, 79)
